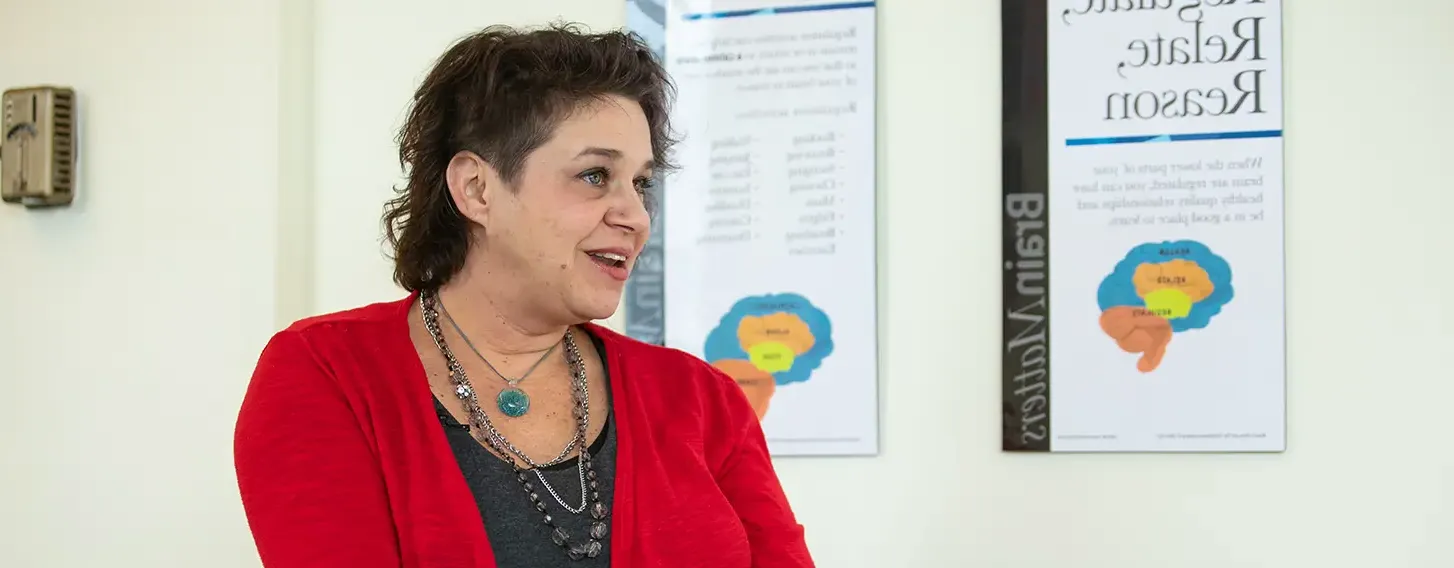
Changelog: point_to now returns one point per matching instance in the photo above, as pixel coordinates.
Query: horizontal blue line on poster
(1174, 137)
(778, 10)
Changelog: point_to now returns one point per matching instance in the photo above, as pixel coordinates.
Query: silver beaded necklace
(484, 430)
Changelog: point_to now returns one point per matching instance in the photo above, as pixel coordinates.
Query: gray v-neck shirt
(518, 533)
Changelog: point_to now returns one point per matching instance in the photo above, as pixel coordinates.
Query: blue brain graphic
(723, 342)
(1118, 289)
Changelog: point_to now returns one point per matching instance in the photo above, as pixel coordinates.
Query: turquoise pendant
(513, 402)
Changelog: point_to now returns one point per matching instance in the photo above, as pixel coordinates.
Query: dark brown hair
(501, 93)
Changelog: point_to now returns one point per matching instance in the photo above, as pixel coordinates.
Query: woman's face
(561, 242)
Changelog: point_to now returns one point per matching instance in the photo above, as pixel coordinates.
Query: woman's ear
(468, 178)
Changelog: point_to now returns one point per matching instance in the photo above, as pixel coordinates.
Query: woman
(547, 441)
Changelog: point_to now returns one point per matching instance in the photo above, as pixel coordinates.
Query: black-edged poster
(1143, 226)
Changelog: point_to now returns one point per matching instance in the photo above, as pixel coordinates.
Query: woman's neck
(494, 324)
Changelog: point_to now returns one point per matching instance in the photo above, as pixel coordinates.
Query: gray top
(518, 534)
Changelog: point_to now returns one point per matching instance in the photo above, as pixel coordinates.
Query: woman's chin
(599, 307)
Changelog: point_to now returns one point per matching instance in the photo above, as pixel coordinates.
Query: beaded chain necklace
(484, 430)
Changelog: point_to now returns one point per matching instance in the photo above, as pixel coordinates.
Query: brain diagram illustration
(1159, 290)
(769, 341)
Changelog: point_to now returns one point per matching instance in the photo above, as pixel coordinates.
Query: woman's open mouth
(609, 259)
(612, 262)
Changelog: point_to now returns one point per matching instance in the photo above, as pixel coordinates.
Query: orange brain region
(1137, 330)
(1176, 274)
(772, 341)
(758, 384)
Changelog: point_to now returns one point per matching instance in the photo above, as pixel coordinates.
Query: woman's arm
(749, 481)
(311, 486)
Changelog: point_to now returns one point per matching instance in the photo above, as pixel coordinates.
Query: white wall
(128, 322)
(200, 208)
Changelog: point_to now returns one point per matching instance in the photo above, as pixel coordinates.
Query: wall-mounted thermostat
(38, 153)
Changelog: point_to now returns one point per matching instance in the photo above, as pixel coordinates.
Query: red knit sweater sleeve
(311, 488)
(750, 482)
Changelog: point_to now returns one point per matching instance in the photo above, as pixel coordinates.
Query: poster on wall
(643, 303)
(1143, 226)
(771, 272)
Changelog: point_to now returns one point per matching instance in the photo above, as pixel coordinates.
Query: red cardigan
(341, 460)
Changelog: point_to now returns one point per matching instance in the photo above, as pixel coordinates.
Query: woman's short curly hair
(500, 93)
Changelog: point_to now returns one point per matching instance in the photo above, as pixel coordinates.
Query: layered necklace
(484, 430)
(511, 401)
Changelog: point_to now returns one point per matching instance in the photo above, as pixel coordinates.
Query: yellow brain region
(774, 340)
(1170, 288)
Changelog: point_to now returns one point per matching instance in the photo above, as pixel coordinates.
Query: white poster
(1143, 208)
(769, 245)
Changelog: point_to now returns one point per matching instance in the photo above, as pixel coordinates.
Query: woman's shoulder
(643, 356)
(663, 372)
(338, 339)
(360, 323)
(376, 315)
(679, 393)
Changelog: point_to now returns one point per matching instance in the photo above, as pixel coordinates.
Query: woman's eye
(594, 177)
(644, 185)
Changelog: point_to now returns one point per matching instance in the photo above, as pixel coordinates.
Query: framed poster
(770, 238)
(1143, 285)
